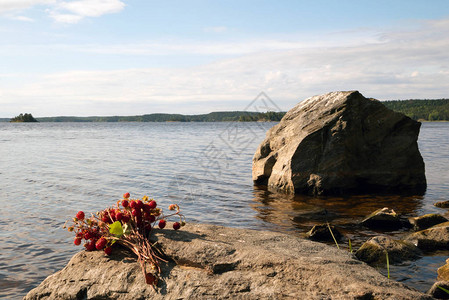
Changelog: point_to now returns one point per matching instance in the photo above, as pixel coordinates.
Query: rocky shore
(214, 262)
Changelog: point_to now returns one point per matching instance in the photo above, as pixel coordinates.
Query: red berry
(152, 204)
(125, 218)
(176, 225)
(136, 212)
(77, 241)
(119, 216)
(125, 203)
(133, 204)
(146, 208)
(108, 250)
(139, 204)
(106, 219)
(79, 234)
(126, 195)
(162, 224)
(88, 235)
(80, 215)
(101, 243)
(90, 246)
(150, 278)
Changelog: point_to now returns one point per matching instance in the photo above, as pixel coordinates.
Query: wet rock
(213, 262)
(443, 272)
(374, 251)
(436, 291)
(431, 239)
(442, 204)
(383, 218)
(426, 221)
(322, 233)
(339, 143)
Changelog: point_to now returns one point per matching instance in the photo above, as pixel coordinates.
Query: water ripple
(49, 171)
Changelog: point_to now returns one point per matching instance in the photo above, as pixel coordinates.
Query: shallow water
(49, 171)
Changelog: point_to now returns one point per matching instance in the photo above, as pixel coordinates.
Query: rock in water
(341, 142)
(374, 251)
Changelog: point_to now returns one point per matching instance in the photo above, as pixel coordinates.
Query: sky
(134, 57)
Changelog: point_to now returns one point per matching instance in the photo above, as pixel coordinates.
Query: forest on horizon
(422, 110)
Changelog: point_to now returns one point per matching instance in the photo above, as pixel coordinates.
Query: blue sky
(118, 57)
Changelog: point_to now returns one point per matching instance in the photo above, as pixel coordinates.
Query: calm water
(49, 171)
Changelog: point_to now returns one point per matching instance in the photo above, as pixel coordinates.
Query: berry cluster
(130, 224)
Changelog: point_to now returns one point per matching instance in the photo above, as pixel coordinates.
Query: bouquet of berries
(129, 224)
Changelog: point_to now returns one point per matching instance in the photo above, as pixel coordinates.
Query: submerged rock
(431, 239)
(341, 142)
(383, 218)
(374, 251)
(442, 204)
(426, 221)
(322, 233)
(213, 262)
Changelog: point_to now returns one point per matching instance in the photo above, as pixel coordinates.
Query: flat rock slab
(213, 262)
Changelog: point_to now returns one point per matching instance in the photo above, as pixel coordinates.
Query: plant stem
(330, 230)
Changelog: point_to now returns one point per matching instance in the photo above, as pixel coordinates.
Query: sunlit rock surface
(338, 143)
(213, 262)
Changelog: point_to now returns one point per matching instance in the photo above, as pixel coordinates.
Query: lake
(49, 171)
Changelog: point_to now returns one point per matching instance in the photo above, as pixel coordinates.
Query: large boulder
(213, 262)
(341, 142)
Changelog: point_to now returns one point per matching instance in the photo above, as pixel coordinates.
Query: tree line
(222, 116)
(427, 110)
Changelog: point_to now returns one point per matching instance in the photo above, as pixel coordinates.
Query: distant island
(23, 118)
(417, 109)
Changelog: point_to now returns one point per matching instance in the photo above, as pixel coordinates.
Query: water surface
(49, 171)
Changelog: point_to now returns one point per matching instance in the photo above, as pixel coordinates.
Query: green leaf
(116, 229)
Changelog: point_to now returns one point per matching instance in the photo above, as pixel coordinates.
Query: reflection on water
(299, 212)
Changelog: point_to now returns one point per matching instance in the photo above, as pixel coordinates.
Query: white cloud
(74, 11)
(400, 65)
(10, 5)
(21, 18)
(64, 11)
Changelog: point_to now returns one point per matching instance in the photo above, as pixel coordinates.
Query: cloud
(65, 11)
(21, 18)
(399, 64)
(74, 11)
(11, 5)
